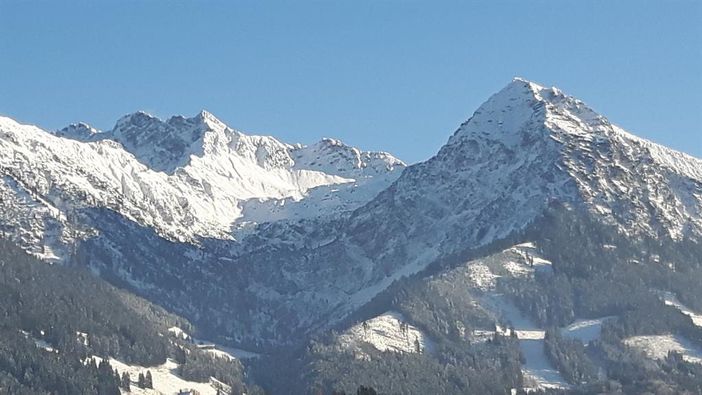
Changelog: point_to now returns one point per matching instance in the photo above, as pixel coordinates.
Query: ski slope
(539, 372)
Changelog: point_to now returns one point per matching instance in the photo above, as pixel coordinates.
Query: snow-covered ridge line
(167, 145)
(189, 177)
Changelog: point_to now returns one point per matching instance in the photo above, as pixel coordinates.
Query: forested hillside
(594, 304)
(54, 319)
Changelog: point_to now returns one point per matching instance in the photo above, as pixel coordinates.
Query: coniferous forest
(55, 320)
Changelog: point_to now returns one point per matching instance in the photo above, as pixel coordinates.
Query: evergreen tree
(126, 382)
(148, 380)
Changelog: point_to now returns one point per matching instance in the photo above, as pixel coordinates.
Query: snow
(194, 178)
(657, 346)
(217, 350)
(230, 352)
(481, 276)
(671, 300)
(387, 332)
(82, 338)
(165, 379)
(45, 346)
(521, 260)
(585, 330)
(537, 369)
(607, 166)
(178, 333)
(424, 253)
(190, 177)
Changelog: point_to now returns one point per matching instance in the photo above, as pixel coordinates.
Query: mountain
(185, 178)
(63, 325)
(534, 215)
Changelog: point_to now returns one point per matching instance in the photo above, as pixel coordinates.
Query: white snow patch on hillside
(538, 371)
(45, 346)
(387, 332)
(231, 353)
(165, 379)
(671, 300)
(179, 333)
(584, 330)
(657, 346)
(521, 260)
(530, 260)
(217, 350)
(481, 276)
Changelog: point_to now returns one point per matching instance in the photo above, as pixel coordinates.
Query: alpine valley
(543, 249)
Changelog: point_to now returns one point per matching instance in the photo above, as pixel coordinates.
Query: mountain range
(324, 257)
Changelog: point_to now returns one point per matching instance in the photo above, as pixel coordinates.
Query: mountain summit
(164, 146)
(265, 244)
(525, 149)
(190, 177)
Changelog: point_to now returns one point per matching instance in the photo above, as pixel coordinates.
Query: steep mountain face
(184, 178)
(78, 131)
(263, 243)
(524, 149)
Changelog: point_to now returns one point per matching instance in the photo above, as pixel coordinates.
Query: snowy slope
(165, 379)
(185, 177)
(387, 332)
(658, 346)
(585, 330)
(671, 300)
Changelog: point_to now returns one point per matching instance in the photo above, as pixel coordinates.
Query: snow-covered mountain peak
(204, 120)
(335, 157)
(210, 120)
(78, 131)
(162, 145)
(526, 123)
(505, 116)
(137, 118)
(185, 177)
(515, 115)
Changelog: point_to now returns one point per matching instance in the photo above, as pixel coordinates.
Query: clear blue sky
(392, 75)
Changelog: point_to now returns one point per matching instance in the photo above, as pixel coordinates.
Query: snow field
(165, 379)
(387, 332)
(657, 346)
